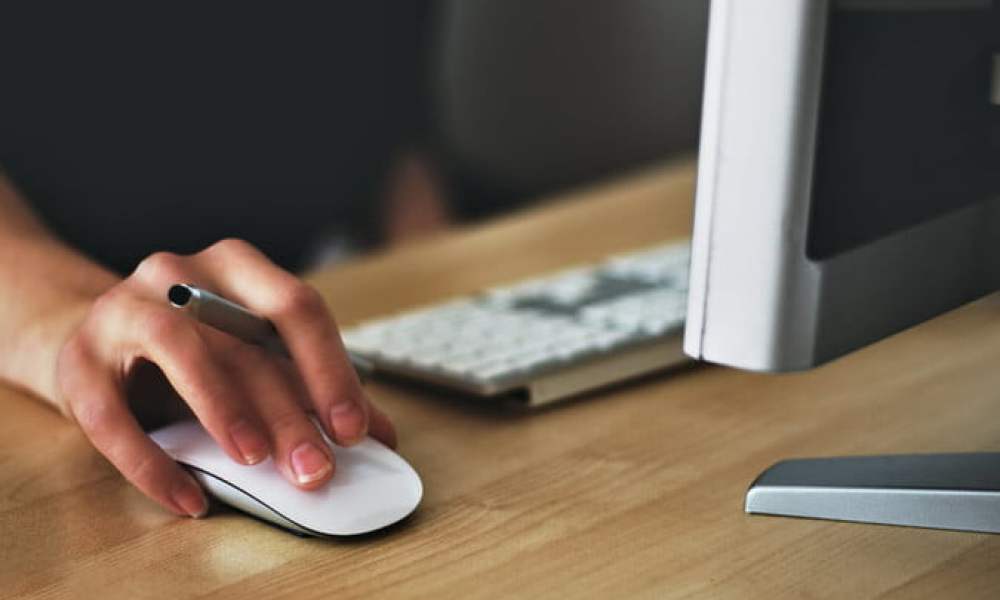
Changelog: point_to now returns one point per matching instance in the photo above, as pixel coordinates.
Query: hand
(252, 403)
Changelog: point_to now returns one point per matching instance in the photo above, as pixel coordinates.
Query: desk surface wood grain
(632, 492)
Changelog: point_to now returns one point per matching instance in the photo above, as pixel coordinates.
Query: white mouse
(372, 487)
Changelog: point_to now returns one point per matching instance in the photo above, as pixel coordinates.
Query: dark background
(166, 126)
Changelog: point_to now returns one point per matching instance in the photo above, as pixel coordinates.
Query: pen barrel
(217, 312)
(225, 315)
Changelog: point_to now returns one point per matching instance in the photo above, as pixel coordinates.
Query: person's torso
(167, 127)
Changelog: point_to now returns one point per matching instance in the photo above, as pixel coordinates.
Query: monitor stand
(939, 491)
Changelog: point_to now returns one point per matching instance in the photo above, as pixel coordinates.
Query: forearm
(47, 287)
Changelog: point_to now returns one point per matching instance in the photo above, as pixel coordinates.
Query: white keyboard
(545, 338)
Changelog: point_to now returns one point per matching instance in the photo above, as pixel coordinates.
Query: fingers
(251, 403)
(379, 425)
(300, 452)
(174, 342)
(301, 317)
(99, 408)
(158, 271)
(381, 428)
(239, 271)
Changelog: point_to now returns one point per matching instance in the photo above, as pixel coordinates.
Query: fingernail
(250, 443)
(348, 422)
(310, 463)
(190, 499)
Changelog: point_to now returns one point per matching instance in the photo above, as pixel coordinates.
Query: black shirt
(171, 125)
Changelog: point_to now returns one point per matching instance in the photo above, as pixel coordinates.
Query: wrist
(33, 365)
(44, 311)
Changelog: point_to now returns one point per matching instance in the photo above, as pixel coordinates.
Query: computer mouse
(372, 487)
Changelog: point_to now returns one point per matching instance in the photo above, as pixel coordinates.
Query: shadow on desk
(512, 407)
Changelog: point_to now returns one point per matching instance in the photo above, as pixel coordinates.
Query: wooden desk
(632, 492)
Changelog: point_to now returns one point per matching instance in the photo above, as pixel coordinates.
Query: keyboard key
(511, 333)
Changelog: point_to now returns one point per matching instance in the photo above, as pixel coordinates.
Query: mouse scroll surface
(372, 487)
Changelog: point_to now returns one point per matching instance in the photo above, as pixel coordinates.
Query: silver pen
(225, 315)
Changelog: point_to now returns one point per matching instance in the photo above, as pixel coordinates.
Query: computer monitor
(848, 187)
